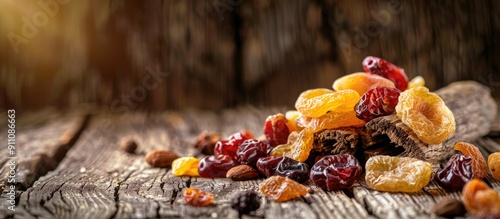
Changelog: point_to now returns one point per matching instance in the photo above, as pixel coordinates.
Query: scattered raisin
(250, 151)
(185, 166)
(276, 130)
(197, 197)
(494, 165)
(216, 166)
(283, 166)
(479, 165)
(230, 145)
(481, 200)
(281, 189)
(245, 202)
(456, 173)
(335, 172)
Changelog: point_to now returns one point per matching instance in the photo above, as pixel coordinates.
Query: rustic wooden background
(217, 53)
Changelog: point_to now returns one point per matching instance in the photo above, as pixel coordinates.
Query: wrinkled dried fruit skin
(378, 66)
(197, 197)
(283, 166)
(282, 189)
(335, 172)
(216, 166)
(230, 145)
(361, 82)
(276, 130)
(185, 166)
(317, 102)
(416, 82)
(291, 117)
(426, 114)
(456, 173)
(245, 202)
(380, 101)
(480, 199)
(333, 120)
(300, 145)
(281, 150)
(397, 174)
(479, 165)
(494, 165)
(250, 151)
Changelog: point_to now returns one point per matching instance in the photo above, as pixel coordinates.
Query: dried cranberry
(216, 166)
(283, 166)
(335, 172)
(456, 173)
(378, 66)
(250, 151)
(379, 101)
(230, 145)
(276, 130)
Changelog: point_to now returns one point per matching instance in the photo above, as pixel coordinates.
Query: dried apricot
(361, 82)
(426, 114)
(479, 165)
(317, 102)
(185, 166)
(282, 189)
(397, 174)
(197, 197)
(416, 82)
(480, 199)
(494, 165)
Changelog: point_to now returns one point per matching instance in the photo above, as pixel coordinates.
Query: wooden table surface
(69, 166)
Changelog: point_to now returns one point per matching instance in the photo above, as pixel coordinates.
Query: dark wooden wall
(217, 53)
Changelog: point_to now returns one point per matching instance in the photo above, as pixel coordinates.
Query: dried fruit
(160, 157)
(230, 145)
(205, 142)
(397, 174)
(426, 114)
(480, 199)
(185, 166)
(479, 165)
(494, 165)
(291, 117)
(276, 130)
(281, 189)
(250, 151)
(298, 147)
(242, 172)
(283, 166)
(246, 202)
(128, 145)
(449, 208)
(317, 102)
(216, 166)
(380, 101)
(378, 66)
(281, 150)
(334, 120)
(361, 82)
(197, 197)
(416, 82)
(335, 172)
(456, 173)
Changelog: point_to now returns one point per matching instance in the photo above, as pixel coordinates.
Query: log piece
(473, 108)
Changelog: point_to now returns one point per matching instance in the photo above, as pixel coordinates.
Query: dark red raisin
(378, 66)
(276, 130)
(231, 144)
(376, 102)
(335, 172)
(216, 166)
(250, 151)
(246, 202)
(456, 173)
(283, 166)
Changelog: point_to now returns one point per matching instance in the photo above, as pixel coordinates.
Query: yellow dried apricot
(361, 82)
(479, 165)
(480, 199)
(426, 114)
(185, 166)
(494, 165)
(317, 102)
(416, 82)
(282, 189)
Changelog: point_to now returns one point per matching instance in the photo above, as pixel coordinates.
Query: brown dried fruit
(160, 158)
(242, 172)
(206, 142)
(128, 145)
(449, 208)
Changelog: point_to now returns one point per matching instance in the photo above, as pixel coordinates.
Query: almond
(161, 158)
(242, 172)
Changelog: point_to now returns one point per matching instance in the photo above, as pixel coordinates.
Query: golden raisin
(333, 120)
(197, 197)
(416, 82)
(291, 117)
(494, 165)
(185, 166)
(317, 102)
(361, 82)
(480, 199)
(479, 165)
(426, 114)
(397, 174)
(282, 189)
(298, 147)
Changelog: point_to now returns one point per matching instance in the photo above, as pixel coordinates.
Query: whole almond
(160, 157)
(242, 172)
(449, 208)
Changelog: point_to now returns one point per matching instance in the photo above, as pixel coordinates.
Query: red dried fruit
(479, 165)
(216, 166)
(380, 101)
(250, 151)
(456, 173)
(283, 166)
(276, 129)
(378, 66)
(197, 197)
(230, 145)
(335, 172)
